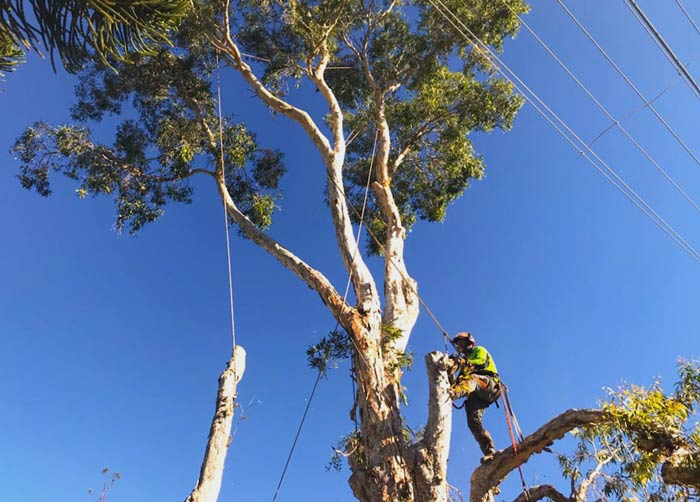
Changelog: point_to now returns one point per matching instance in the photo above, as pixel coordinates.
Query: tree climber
(474, 377)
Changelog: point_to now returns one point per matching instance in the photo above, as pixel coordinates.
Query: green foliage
(329, 350)
(10, 53)
(110, 29)
(646, 426)
(438, 91)
(151, 159)
(390, 334)
(395, 360)
(348, 446)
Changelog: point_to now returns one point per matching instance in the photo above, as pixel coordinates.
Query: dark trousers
(477, 402)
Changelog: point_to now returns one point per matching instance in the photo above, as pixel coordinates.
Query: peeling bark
(429, 455)
(380, 470)
(211, 473)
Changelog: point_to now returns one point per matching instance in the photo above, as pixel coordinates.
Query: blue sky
(111, 345)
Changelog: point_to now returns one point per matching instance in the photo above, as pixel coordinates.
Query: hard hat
(466, 338)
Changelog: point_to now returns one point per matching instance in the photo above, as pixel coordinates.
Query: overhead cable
(619, 70)
(615, 122)
(688, 17)
(663, 45)
(560, 126)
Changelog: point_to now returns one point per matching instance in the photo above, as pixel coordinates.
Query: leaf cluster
(435, 90)
(174, 135)
(646, 426)
(331, 349)
(348, 446)
(10, 53)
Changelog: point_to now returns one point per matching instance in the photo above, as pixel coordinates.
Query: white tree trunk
(211, 473)
(429, 456)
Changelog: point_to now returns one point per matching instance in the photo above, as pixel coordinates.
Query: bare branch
(345, 314)
(429, 455)
(312, 277)
(582, 491)
(234, 59)
(211, 473)
(539, 492)
(363, 282)
(489, 475)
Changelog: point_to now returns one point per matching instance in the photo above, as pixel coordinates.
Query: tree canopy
(430, 107)
(402, 93)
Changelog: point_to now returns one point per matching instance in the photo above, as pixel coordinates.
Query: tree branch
(312, 277)
(586, 484)
(400, 290)
(363, 282)
(489, 475)
(426, 128)
(429, 455)
(539, 492)
(234, 59)
(211, 473)
(682, 468)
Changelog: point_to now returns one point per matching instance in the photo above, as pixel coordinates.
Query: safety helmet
(465, 339)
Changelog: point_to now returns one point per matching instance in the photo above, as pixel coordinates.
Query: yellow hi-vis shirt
(482, 361)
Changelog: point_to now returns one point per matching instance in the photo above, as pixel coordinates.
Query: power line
(615, 122)
(607, 172)
(687, 15)
(663, 91)
(619, 70)
(663, 45)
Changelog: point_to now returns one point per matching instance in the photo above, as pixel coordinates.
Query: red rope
(508, 411)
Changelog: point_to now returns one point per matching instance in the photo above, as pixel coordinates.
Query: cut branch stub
(211, 473)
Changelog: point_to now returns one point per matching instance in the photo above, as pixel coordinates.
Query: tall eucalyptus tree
(410, 82)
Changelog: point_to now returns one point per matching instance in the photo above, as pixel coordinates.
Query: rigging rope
(228, 241)
(508, 412)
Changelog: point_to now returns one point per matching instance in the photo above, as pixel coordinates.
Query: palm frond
(10, 53)
(111, 29)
